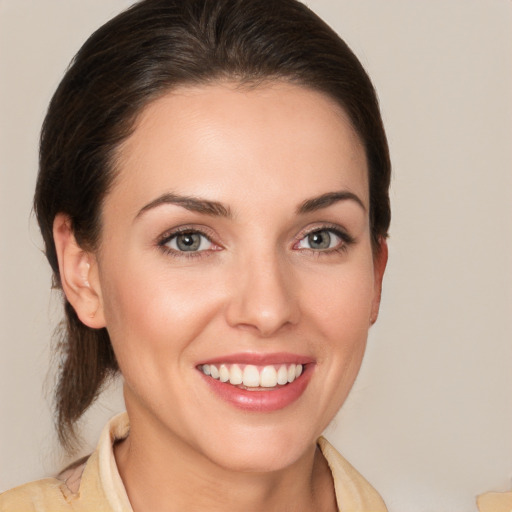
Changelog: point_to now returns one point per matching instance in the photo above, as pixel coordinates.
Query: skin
(257, 287)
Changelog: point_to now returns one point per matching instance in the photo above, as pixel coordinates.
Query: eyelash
(169, 236)
(346, 240)
(345, 243)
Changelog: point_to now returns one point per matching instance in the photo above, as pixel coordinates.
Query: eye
(321, 240)
(190, 241)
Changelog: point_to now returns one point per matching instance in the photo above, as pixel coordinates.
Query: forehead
(275, 140)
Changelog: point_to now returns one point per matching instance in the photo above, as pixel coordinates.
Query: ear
(380, 261)
(78, 274)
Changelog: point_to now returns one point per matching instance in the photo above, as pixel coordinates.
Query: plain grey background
(429, 421)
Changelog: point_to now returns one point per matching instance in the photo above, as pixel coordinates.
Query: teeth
(253, 377)
(214, 372)
(282, 375)
(268, 378)
(291, 373)
(223, 373)
(235, 376)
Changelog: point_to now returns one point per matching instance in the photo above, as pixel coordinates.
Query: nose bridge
(262, 293)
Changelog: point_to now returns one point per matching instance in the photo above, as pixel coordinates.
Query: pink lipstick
(258, 382)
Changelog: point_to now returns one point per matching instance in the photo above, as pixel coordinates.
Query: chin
(260, 451)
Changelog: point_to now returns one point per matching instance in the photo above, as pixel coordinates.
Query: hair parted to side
(155, 46)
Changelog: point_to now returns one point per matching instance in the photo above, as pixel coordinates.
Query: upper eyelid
(213, 237)
(171, 233)
(339, 230)
(346, 239)
(163, 243)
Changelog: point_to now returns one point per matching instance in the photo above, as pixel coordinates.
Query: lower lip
(261, 401)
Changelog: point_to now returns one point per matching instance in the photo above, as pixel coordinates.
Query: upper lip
(259, 359)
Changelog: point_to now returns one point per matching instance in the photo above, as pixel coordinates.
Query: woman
(213, 196)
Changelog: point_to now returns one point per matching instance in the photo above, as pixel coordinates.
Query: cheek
(153, 313)
(341, 311)
(341, 302)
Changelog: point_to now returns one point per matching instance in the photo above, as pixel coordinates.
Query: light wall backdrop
(429, 421)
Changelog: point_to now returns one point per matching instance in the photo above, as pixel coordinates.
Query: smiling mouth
(254, 378)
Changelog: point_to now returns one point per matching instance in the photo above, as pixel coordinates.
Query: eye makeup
(191, 241)
(188, 242)
(328, 238)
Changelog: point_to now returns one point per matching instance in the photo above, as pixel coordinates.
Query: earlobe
(78, 274)
(379, 266)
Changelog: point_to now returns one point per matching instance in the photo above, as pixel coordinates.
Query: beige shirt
(495, 502)
(97, 487)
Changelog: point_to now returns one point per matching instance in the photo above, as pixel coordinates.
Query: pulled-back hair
(155, 46)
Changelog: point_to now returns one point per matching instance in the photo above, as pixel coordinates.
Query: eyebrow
(325, 200)
(216, 209)
(191, 203)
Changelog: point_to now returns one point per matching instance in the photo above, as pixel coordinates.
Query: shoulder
(44, 495)
(495, 502)
(78, 489)
(89, 485)
(353, 492)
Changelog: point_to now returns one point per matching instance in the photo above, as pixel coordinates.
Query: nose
(262, 296)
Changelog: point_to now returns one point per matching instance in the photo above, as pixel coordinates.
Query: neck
(172, 476)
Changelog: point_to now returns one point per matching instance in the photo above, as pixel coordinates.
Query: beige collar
(353, 492)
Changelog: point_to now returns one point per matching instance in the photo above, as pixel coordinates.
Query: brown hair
(136, 57)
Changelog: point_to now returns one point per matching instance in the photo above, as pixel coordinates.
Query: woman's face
(236, 245)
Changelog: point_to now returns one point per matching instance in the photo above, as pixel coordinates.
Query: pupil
(188, 242)
(319, 240)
